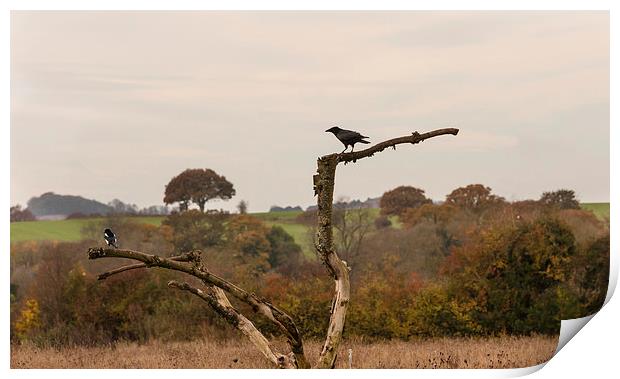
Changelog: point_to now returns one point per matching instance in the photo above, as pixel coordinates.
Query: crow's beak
(327, 131)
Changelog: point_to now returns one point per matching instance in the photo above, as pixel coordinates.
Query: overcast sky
(113, 104)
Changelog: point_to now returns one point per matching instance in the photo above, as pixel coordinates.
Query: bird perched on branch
(347, 137)
(110, 238)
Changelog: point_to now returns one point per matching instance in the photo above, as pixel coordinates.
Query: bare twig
(185, 257)
(107, 274)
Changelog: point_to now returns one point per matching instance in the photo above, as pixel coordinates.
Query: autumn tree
(436, 214)
(592, 274)
(193, 230)
(514, 275)
(198, 186)
(526, 210)
(398, 200)
(382, 222)
(248, 235)
(562, 199)
(178, 190)
(284, 251)
(474, 197)
(445, 219)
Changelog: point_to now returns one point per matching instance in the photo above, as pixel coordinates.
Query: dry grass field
(500, 352)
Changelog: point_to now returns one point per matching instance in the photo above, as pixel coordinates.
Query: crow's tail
(362, 141)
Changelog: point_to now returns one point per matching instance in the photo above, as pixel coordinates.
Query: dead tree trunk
(324, 181)
(216, 288)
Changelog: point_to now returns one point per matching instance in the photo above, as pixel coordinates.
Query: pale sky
(113, 104)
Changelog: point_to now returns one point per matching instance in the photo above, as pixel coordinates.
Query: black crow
(347, 137)
(110, 238)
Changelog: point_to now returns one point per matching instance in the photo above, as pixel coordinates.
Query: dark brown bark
(414, 138)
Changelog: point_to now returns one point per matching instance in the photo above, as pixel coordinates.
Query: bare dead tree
(324, 181)
(351, 225)
(216, 289)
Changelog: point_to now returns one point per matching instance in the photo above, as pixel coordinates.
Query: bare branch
(414, 138)
(118, 270)
(192, 256)
(216, 298)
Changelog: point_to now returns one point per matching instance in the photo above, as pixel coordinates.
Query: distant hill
(50, 205)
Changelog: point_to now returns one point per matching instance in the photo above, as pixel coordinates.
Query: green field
(601, 210)
(62, 230)
(70, 230)
(287, 220)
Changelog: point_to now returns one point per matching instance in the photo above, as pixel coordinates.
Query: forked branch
(217, 299)
(194, 267)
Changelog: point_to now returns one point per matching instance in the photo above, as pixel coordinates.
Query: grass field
(69, 230)
(498, 352)
(601, 210)
(61, 230)
(287, 220)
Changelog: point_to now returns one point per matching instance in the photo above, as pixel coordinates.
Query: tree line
(472, 265)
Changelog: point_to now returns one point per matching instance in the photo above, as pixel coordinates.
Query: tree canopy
(197, 186)
(474, 197)
(398, 200)
(562, 199)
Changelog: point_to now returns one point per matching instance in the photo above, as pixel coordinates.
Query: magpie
(347, 137)
(110, 238)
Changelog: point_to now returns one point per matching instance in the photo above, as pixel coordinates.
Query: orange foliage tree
(197, 186)
(398, 200)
